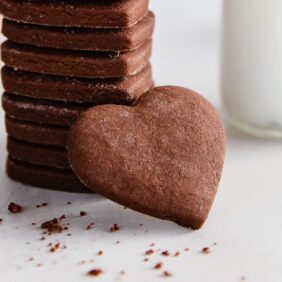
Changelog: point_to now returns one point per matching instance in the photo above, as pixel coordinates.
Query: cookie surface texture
(73, 13)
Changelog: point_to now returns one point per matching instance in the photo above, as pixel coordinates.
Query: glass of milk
(252, 66)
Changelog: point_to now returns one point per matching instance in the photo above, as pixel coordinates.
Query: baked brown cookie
(42, 111)
(44, 177)
(42, 155)
(66, 62)
(163, 156)
(86, 13)
(69, 89)
(81, 38)
(32, 132)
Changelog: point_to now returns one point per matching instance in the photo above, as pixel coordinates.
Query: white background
(245, 222)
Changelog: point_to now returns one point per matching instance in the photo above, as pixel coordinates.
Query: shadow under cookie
(44, 177)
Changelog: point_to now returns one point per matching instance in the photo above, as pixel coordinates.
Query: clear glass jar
(252, 66)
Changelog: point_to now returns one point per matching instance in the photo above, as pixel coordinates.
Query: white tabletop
(245, 222)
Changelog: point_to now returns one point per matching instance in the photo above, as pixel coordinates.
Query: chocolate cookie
(32, 132)
(41, 111)
(38, 154)
(95, 91)
(76, 63)
(44, 177)
(163, 156)
(87, 13)
(81, 38)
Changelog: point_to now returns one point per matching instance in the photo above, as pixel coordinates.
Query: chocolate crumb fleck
(14, 208)
(83, 213)
(115, 228)
(90, 226)
(159, 265)
(149, 252)
(165, 253)
(95, 272)
(55, 248)
(100, 253)
(167, 274)
(52, 226)
(206, 250)
(146, 259)
(176, 254)
(44, 204)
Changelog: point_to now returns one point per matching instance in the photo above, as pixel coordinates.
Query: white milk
(252, 65)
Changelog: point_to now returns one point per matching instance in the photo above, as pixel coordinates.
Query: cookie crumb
(115, 228)
(52, 226)
(149, 252)
(146, 259)
(95, 272)
(90, 226)
(100, 253)
(83, 213)
(68, 203)
(159, 265)
(1, 220)
(14, 208)
(167, 274)
(165, 253)
(176, 254)
(206, 250)
(55, 248)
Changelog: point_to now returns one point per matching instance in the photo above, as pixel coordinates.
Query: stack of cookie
(62, 57)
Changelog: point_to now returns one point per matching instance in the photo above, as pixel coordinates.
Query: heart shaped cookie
(163, 156)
